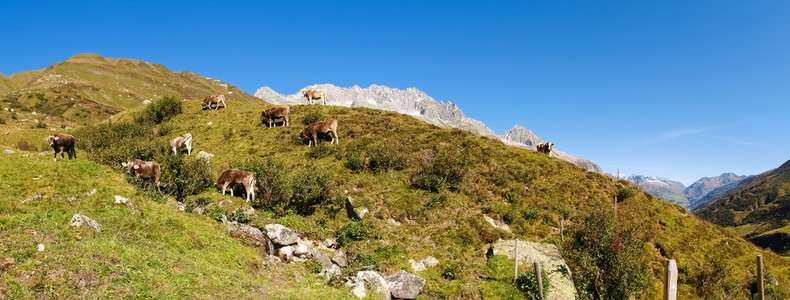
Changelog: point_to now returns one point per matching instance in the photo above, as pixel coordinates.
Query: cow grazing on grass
(63, 143)
(545, 148)
(214, 99)
(277, 112)
(144, 169)
(234, 177)
(313, 94)
(328, 127)
(181, 141)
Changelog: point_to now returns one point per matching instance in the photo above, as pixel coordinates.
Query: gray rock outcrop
(405, 285)
(375, 283)
(79, 220)
(281, 235)
(423, 264)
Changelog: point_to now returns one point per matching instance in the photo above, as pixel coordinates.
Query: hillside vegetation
(438, 184)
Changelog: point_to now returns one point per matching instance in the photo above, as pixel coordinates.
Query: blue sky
(680, 89)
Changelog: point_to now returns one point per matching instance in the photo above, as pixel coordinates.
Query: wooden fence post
(615, 205)
(515, 259)
(562, 232)
(671, 280)
(540, 279)
(760, 277)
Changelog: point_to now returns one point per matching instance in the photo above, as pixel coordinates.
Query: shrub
(321, 150)
(240, 216)
(2, 121)
(25, 146)
(353, 231)
(609, 259)
(185, 177)
(624, 193)
(314, 115)
(159, 111)
(528, 283)
(216, 212)
(313, 265)
(364, 259)
(155, 196)
(386, 157)
(355, 161)
(438, 201)
(447, 169)
(313, 187)
(429, 182)
(451, 271)
(513, 196)
(273, 183)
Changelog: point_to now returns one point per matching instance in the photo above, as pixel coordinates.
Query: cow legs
(174, 151)
(224, 186)
(223, 104)
(56, 156)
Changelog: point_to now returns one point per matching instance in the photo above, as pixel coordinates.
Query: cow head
(130, 166)
(52, 140)
(303, 134)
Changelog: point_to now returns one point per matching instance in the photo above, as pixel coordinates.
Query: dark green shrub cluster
(528, 283)
(625, 192)
(314, 115)
(386, 157)
(353, 231)
(184, 176)
(159, 111)
(313, 266)
(240, 216)
(609, 259)
(302, 192)
(447, 169)
(311, 188)
(273, 182)
(451, 270)
(216, 212)
(355, 161)
(25, 146)
(113, 143)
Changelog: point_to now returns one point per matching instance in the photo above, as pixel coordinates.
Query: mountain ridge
(418, 104)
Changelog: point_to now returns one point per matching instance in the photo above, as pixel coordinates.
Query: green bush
(609, 258)
(447, 169)
(355, 161)
(159, 111)
(314, 115)
(429, 182)
(311, 188)
(353, 231)
(273, 182)
(322, 150)
(513, 196)
(313, 266)
(386, 157)
(25, 146)
(451, 271)
(216, 212)
(185, 177)
(528, 283)
(625, 192)
(240, 216)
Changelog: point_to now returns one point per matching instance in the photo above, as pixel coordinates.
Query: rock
(340, 258)
(199, 211)
(252, 235)
(247, 210)
(72, 198)
(9, 151)
(67, 127)
(375, 283)
(551, 261)
(146, 102)
(123, 201)
(40, 247)
(332, 271)
(83, 221)
(423, 264)
(34, 198)
(330, 243)
(393, 222)
(353, 212)
(225, 202)
(325, 261)
(285, 253)
(53, 129)
(181, 206)
(33, 113)
(300, 250)
(204, 155)
(405, 285)
(25, 155)
(357, 287)
(209, 123)
(281, 235)
(497, 223)
(40, 153)
(93, 191)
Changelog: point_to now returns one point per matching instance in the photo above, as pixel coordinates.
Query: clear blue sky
(680, 89)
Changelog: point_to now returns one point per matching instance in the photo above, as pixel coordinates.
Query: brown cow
(277, 112)
(233, 177)
(545, 148)
(63, 143)
(214, 99)
(328, 127)
(312, 94)
(145, 170)
(178, 142)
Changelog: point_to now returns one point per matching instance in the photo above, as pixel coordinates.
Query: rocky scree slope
(416, 103)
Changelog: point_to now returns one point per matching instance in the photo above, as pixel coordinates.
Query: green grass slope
(438, 183)
(159, 252)
(87, 87)
(6, 85)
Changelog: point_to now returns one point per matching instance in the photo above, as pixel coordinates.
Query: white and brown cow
(182, 141)
(214, 99)
(313, 94)
(63, 143)
(144, 169)
(277, 112)
(312, 132)
(545, 148)
(234, 177)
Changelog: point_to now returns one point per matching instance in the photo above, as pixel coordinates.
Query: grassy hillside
(757, 208)
(159, 252)
(87, 87)
(438, 184)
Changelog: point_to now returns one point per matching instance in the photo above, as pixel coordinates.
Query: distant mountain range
(416, 103)
(693, 196)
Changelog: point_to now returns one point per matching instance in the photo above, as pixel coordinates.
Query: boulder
(34, 198)
(357, 286)
(497, 223)
(123, 201)
(319, 256)
(354, 212)
(79, 220)
(423, 264)
(9, 151)
(405, 285)
(204, 155)
(225, 202)
(93, 191)
(330, 243)
(281, 235)
(375, 283)
(332, 271)
(393, 222)
(340, 258)
(40, 247)
(285, 253)
(300, 250)
(146, 102)
(551, 261)
(253, 236)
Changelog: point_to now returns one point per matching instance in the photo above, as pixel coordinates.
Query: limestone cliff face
(414, 102)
